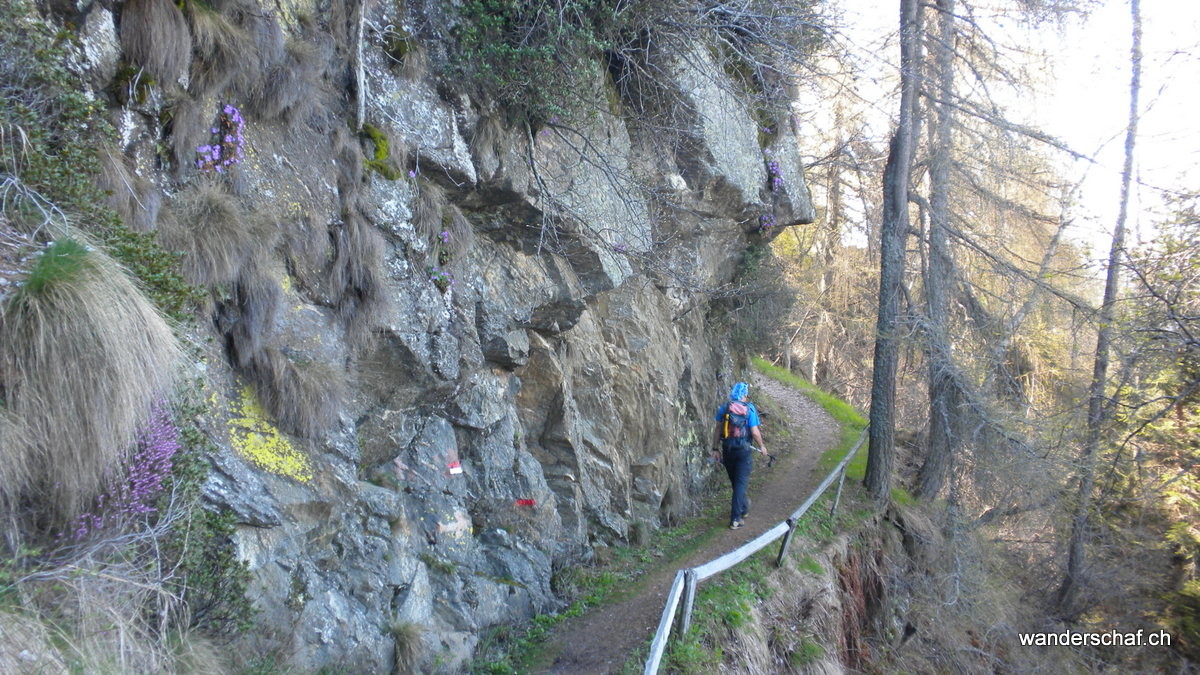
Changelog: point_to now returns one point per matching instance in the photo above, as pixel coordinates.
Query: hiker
(737, 423)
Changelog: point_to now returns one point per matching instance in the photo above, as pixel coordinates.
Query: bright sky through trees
(1082, 96)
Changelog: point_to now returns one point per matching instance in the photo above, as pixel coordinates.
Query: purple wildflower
(227, 148)
(143, 476)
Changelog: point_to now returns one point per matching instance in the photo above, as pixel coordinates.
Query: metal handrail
(686, 580)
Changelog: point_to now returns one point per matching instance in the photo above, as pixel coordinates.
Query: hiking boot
(737, 524)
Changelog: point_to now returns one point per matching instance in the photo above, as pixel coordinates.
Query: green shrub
(58, 158)
(208, 575)
(538, 58)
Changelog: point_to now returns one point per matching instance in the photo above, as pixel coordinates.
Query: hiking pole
(770, 457)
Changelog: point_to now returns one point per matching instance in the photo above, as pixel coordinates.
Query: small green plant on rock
(806, 653)
(380, 160)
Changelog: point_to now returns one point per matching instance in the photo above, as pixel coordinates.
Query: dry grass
(25, 646)
(189, 129)
(441, 225)
(102, 607)
(195, 654)
(459, 237)
(309, 253)
(485, 136)
(216, 235)
(83, 355)
(135, 199)
(250, 319)
(347, 151)
(303, 397)
(223, 51)
(15, 471)
(409, 649)
(154, 35)
(357, 281)
(292, 89)
(263, 32)
(964, 607)
(429, 212)
(415, 62)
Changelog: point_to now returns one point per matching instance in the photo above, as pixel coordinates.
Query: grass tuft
(357, 281)
(303, 397)
(290, 89)
(154, 35)
(347, 152)
(135, 200)
(309, 252)
(188, 129)
(430, 215)
(409, 647)
(83, 355)
(194, 654)
(216, 236)
(61, 264)
(220, 50)
(249, 319)
(484, 137)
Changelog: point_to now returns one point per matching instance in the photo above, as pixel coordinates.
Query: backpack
(736, 432)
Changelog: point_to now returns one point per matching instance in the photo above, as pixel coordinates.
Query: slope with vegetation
(353, 322)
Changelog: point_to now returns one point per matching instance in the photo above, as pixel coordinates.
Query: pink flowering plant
(140, 481)
(227, 147)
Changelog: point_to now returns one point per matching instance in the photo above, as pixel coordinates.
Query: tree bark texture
(942, 399)
(894, 229)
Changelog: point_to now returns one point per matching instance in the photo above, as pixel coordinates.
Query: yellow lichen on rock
(258, 440)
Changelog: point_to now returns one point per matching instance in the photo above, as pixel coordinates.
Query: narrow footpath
(603, 640)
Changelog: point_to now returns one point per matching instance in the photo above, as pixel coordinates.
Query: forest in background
(1043, 406)
(1045, 411)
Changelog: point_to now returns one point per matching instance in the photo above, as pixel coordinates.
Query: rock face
(508, 341)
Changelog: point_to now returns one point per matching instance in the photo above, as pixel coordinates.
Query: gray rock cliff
(505, 346)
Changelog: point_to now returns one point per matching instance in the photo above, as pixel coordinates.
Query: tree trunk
(894, 229)
(1098, 412)
(942, 399)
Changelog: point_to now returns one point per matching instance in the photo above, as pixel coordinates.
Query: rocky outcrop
(503, 336)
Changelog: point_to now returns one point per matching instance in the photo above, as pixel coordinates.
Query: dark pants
(737, 461)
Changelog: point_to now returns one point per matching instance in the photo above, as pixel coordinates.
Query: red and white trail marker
(455, 468)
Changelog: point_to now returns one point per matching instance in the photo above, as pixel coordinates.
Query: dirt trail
(602, 641)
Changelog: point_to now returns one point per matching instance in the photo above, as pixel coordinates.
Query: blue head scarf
(739, 391)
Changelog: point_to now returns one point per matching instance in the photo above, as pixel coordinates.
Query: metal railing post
(659, 645)
(837, 495)
(787, 541)
(689, 598)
